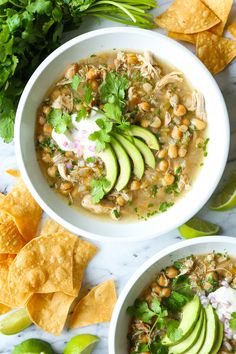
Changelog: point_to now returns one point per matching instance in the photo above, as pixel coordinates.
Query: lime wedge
(226, 199)
(196, 227)
(33, 346)
(15, 322)
(81, 344)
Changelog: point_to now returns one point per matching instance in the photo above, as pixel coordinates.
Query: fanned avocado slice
(211, 329)
(219, 338)
(134, 154)
(109, 158)
(148, 156)
(190, 315)
(197, 346)
(191, 339)
(124, 164)
(145, 134)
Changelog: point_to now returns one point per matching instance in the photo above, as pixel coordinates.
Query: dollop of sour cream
(76, 138)
(224, 301)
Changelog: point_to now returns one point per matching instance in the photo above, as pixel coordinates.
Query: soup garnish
(121, 135)
(189, 308)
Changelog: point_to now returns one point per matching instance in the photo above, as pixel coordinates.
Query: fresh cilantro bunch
(31, 29)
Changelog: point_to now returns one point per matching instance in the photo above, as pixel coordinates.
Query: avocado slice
(197, 346)
(211, 330)
(190, 315)
(109, 158)
(191, 339)
(133, 152)
(148, 156)
(124, 164)
(219, 338)
(145, 134)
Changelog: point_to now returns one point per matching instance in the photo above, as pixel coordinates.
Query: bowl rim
(24, 170)
(146, 265)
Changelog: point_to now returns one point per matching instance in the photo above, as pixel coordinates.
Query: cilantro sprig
(98, 189)
(60, 121)
(102, 136)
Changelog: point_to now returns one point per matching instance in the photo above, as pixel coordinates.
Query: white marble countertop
(119, 261)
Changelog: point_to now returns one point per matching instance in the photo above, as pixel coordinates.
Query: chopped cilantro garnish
(88, 94)
(154, 190)
(91, 159)
(48, 143)
(203, 146)
(59, 121)
(102, 136)
(76, 81)
(176, 301)
(173, 332)
(232, 321)
(98, 190)
(164, 206)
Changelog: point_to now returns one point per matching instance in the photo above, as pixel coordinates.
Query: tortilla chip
(222, 9)
(188, 16)
(10, 238)
(96, 307)
(5, 296)
(232, 29)
(83, 253)
(23, 208)
(50, 311)
(190, 38)
(214, 51)
(13, 173)
(51, 227)
(44, 265)
(4, 309)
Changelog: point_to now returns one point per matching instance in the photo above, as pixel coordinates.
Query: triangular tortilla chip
(232, 29)
(222, 9)
(190, 38)
(214, 51)
(5, 295)
(10, 238)
(187, 16)
(4, 309)
(96, 307)
(23, 208)
(50, 311)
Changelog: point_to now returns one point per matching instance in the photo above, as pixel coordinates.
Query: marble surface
(120, 261)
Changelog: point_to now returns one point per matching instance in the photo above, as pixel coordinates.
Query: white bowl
(118, 342)
(165, 49)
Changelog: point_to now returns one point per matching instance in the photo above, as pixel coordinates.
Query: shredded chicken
(147, 67)
(62, 171)
(169, 79)
(59, 158)
(167, 118)
(120, 60)
(96, 208)
(198, 105)
(63, 102)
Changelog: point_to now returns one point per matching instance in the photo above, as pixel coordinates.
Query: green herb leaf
(102, 136)
(59, 121)
(91, 159)
(164, 206)
(176, 301)
(232, 321)
(113, 111)
(76, 81)
(81, 114)
(141, 311)
(88, 94)
(113, 88)
(154, 190)
(173, 332)
(98, 189)
(158, 348)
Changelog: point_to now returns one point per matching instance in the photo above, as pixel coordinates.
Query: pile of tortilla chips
(44, 273)
(202, 23)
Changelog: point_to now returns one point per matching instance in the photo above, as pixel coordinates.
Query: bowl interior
(118, 342)
(166, 50)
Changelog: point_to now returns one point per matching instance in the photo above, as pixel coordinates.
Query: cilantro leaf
(102, 136)
(98, 190)
(232, 321)
(59, 121)
(158, 348)
(173, 332)
(7, 115)
(88, 94)
(113, 88)
(181, 285)
(75, 82)
(81, 114)
(113, 111)
(176, 301)
(141, 311)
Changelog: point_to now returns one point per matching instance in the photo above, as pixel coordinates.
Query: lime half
(33, 346)
(15, 322)
(81, 344)
(226, 199)
(196, 227)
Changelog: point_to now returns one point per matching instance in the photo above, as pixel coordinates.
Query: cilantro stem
(116, 4)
